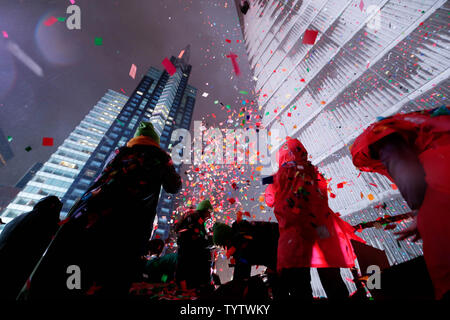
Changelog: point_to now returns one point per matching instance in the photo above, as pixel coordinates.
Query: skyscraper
(59, 172)
(29, 175)
(166, 101)
(369, 59)
(5, 150)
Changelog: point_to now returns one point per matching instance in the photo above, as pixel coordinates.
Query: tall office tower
(370, 58)
(5, 150)
(29, 175)
(59, 172)
(166, 101)
(7, 194)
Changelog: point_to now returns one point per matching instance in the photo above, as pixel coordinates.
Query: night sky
(77, 73)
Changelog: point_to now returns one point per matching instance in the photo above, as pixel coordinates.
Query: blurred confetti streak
(24, 58)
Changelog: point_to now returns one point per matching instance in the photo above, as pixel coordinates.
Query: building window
(90, 173)
(105, 149)
(69, 165)
(96, 164)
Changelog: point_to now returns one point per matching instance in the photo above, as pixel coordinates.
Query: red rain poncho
(311, 234)
(428, 134)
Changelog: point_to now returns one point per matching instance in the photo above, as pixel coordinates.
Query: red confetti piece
(231, 200)
(93, 289)
(228, 40)
(233, 57)
(48, 142)
(310, 36)
(332, 195)
(170, 68)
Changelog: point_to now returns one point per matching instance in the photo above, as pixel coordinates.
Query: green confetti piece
(267, 113)
(98, 41)
(307, 69)
(243, 92)
(228, 106)
(62, 19)
(216, 102)
(28, 149)
(164, 278)
(10, 138)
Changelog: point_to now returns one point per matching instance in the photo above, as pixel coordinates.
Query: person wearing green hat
(194, 253)
(113, 219)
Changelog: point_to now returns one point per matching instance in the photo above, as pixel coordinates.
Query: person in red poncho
(311, 234)
(413, 150)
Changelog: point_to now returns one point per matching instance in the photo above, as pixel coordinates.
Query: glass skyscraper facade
(57, 174)
(371, 58)
(166, 101)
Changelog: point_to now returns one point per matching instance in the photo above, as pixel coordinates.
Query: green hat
(147, 129)
(222, 233)
(204, 205)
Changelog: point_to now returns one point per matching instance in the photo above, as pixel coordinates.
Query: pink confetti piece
(50, 21)
(72, 1)
(5, 34)
(361, 5)
(133, 70)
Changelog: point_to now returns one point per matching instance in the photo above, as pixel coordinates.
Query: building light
(68, 165)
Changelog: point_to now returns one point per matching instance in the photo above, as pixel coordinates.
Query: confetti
(310, 36)
(28, 149)
(48, 142)
(5, 34)
(133, 70)
(243, 92)
(205, 94)
(361, 5)
(50, 21)
(10, 138)
(233, 57)
(62, 19)
(170, 68)
(98, 41)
